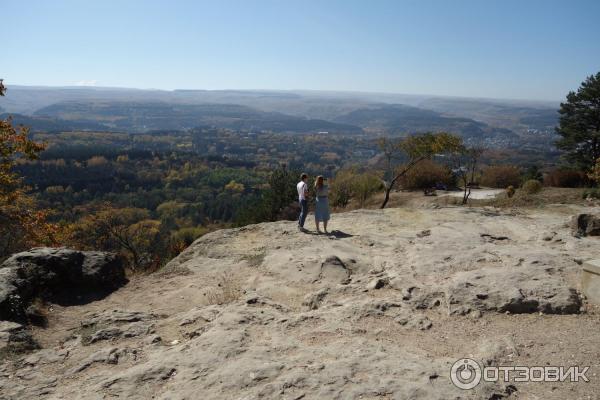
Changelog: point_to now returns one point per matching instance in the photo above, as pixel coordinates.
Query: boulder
(585, 225)
(47, 272)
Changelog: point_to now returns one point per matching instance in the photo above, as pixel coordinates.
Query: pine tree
(580, 124)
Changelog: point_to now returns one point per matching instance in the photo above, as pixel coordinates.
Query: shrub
(533, 172)
(593, 193)
(227, 290)
(510, 191)
(350, 184)
(188, 235)
(340, 188)
(426, 175)
(532, 186)
(364, 186)
(501, 176)
(568, 178)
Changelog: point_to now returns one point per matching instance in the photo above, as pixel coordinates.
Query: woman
(322, 204)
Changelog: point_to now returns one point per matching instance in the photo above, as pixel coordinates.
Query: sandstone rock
(496, 351)
(334, 270)
(548, 236)
(15, 339)
(118, 317)
(512, 290)
(116, 324)
(377, 283)
(109, 355)
(313, 300)
(415, 321)
(585, 225)
(304, 327)
(424, 233)
(152, 339)
(50, 271)
(46, 356)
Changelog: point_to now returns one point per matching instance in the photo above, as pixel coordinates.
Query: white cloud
(91, 82)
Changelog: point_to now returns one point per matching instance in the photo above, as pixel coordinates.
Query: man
(302, 188)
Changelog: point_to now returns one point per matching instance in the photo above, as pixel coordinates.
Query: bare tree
(413, 149)
(464, 165)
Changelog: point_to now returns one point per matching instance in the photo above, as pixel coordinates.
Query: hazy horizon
(315, 91)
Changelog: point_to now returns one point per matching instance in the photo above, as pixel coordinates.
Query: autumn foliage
(501, 176)
(22, 225)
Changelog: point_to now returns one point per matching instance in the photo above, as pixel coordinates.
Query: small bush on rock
(593, 193)
(226, 291)
(510, 191)
(532, 186)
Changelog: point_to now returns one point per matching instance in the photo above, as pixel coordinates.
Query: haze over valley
(495, 123)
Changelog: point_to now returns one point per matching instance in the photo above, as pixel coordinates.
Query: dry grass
(547, 195)
(397, 199)
(226, 290)
(254, 260)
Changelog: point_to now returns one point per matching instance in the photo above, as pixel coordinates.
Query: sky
(526, 49)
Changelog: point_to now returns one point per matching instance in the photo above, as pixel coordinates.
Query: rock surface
(511, 290)
(15, 339)
(586, 225)
(45, 272)
(374, 311)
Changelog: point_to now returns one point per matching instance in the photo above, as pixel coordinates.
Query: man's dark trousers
(303, 212)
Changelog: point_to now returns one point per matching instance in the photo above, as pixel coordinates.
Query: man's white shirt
(302, 188)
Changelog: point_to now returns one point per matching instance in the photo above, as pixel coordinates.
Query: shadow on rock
(340, 234)
(63, 276)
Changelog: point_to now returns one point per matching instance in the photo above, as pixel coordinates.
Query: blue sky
(527, 49)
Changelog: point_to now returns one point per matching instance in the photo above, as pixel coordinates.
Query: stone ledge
(592, 266)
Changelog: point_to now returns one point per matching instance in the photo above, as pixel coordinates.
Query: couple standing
(321, 202)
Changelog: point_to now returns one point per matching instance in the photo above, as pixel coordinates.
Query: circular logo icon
(465, 373)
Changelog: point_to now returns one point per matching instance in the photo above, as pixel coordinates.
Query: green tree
(414, 149)
(340, 188)
(580, 124)
(364, 186)
(275, 201)
(533, 173)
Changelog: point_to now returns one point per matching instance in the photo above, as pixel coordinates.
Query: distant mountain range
(134, 110)
(144, 116)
